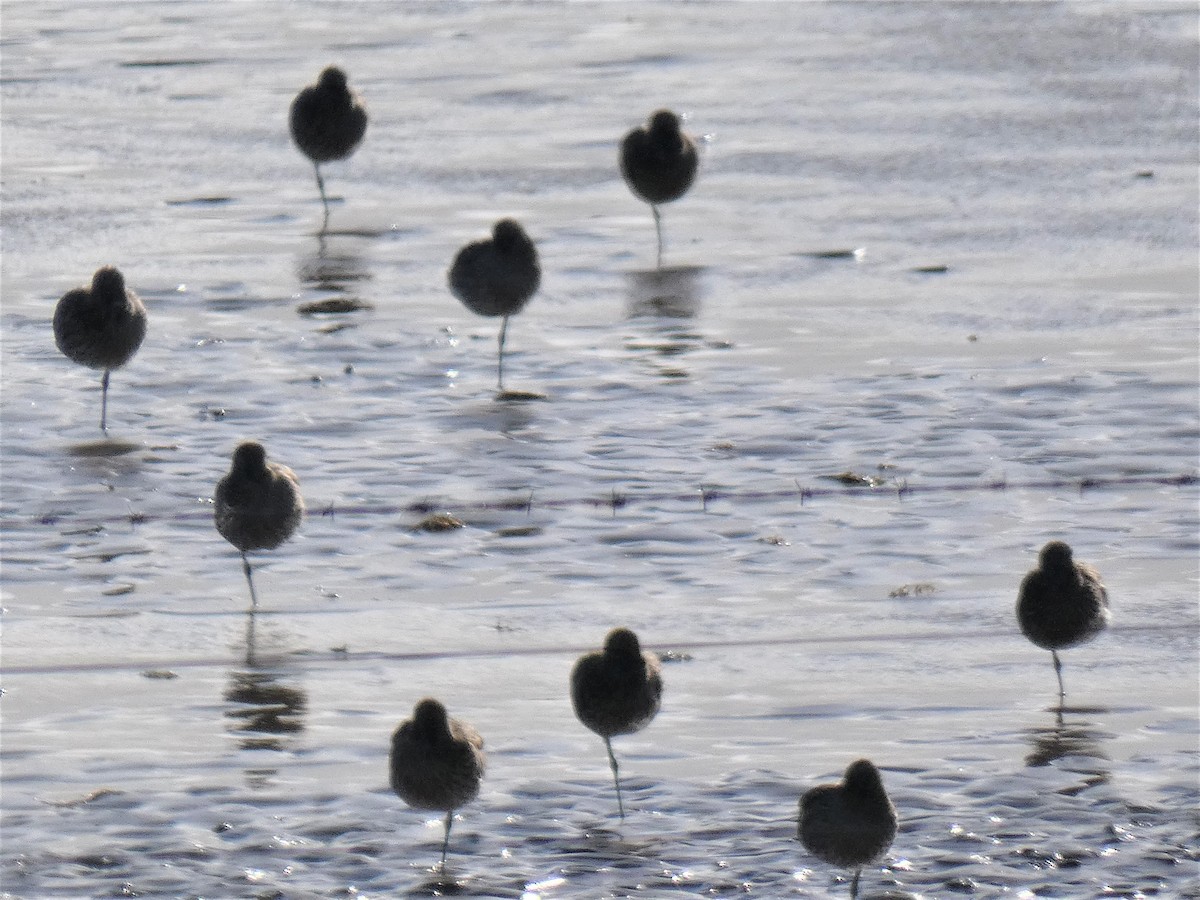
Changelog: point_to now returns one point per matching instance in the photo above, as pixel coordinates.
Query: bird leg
(612, 761)
(658, 232)
(104, 402)
(854, 884)
(249, 581)
(446, 839)
(500, 362)
(1062, 694)
(321, 188)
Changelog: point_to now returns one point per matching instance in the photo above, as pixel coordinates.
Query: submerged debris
(438, 522)
(519, 531)
(674, 656)
(914, 590)
(853, 479)
(839, 253)
(97, 794)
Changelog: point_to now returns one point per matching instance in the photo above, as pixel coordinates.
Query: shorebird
(496, 277)
(617, 690)
(101, 327)
(327, 121)
(436, 762)
(257, 505)
(659, 164)
(1061, 603)
(849, 823)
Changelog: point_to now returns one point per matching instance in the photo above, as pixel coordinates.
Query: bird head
(863, 778)
(622, 642)
(1055, 555)
(108, 282)
(429, 718)
(332, 79)
(508, 235)
(249, 458)
(664, 124)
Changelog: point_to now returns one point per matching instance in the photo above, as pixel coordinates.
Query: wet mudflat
(931, 302)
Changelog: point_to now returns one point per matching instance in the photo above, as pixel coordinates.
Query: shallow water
(676, 476)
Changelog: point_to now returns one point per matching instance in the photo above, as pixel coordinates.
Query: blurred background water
(948, 247)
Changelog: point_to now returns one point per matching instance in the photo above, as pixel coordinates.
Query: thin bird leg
(446, 839)
(657, 231)
(104, 402)
(321, 188)
(854, 884)
(249, 581)
(612, 761)
(1062, 694)
(500, 362)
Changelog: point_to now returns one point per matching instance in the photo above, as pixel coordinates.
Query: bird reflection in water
(336, 272)
(107, 459)
(106, 451)
(497, 416)
(444, 885)
(1079, 740)
(264, 713)
(661, 303)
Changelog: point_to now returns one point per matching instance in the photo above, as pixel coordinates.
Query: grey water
(931, 302)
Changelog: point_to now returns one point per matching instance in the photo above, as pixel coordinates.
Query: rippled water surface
(931, 302)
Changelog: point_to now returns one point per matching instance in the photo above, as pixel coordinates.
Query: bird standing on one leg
(659, 164)
(497, 277)
(327, 121)
(436, 762)
(617, 690)
(257, 505)
(1061, 603)
(849, 823)
(101, 327)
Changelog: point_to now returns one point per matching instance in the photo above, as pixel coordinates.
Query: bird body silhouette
(327, 122)
(497, 277)
(658, 162)
(257, 505)
(617, 690)
(101, 327)
(850, 823)
(1061, 603)
(436, 762)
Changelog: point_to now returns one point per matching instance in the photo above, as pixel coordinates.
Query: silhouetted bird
(436, 762)
(496, 277)
(659, 164)
(327, 121)
(1061, 603)
(617, 690)
(257, 505)
(100, 327)
(850, 823)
